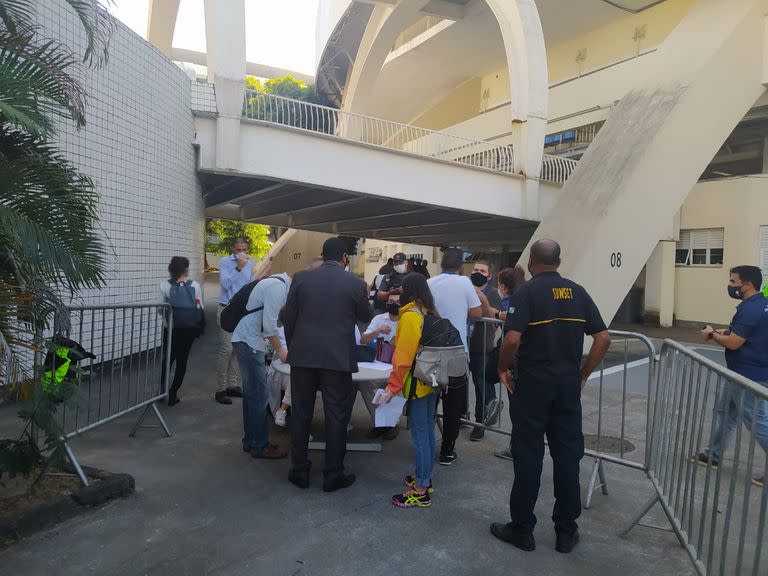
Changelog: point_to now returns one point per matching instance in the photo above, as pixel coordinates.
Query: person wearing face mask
(746, 353)
(320, 317)
(390, 286)
(481, 341)
(382, 326)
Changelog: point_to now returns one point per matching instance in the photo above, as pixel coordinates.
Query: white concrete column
(225, 41)
(660, 284)
(161, 24)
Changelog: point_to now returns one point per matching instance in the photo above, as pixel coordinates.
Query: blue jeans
(727, 419)
(421, 419)
(254, 375)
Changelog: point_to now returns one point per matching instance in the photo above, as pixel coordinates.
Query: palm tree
(49, 238)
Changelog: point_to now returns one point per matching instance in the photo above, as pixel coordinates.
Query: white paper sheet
(381, 366)
(388, 415)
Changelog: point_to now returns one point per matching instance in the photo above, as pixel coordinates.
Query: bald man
(541, 365)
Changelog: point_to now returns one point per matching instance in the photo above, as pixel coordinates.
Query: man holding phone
(746, 353)
(391, 285)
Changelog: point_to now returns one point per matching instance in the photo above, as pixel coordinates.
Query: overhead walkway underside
(297, 205)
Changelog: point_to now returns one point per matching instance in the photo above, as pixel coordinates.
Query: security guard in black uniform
(541, 365)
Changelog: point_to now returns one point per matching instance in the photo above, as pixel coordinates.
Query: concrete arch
(525, 50)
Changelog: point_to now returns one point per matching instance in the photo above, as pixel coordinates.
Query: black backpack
(236, 309)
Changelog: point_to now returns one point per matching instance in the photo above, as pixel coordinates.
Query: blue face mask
(735, 292)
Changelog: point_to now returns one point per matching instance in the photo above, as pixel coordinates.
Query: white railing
(377, 132)
(557, 168)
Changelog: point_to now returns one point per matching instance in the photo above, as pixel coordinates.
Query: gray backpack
(441, 355)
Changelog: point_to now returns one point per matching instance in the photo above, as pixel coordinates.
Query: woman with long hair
(415, 302)
(186, 300)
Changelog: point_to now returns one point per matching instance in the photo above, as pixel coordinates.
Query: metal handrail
(372, 131)
(557, 168)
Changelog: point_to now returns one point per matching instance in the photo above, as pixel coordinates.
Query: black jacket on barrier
(320, 315)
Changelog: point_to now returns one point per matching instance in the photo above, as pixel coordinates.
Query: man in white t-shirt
(458, 301)
(382, 326)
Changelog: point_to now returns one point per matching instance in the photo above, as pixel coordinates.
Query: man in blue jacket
(746, 353)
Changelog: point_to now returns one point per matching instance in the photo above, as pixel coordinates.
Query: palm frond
(36, 82)
(48, 214)
(99, 26)
(16, 13)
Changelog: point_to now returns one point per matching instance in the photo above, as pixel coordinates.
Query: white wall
(740, 206)
(137, 148)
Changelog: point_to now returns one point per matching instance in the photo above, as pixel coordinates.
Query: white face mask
(401, 268)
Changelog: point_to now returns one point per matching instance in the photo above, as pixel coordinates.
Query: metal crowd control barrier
(717, 512)
(130, 371)
(606, 407)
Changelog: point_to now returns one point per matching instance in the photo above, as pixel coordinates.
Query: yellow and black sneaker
(410, 481)
(412, 499)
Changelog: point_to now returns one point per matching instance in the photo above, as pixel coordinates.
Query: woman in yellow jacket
(416, 301)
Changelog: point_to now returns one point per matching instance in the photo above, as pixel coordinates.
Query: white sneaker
(280, 416)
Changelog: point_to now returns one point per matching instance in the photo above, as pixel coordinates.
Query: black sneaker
(477, 434)
(221, 398)
(704, 460)
(410, 481)
(447, 458)
(510, 535)
(234, 392)
(566, 542)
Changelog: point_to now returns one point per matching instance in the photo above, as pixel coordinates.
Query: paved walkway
(204, 507)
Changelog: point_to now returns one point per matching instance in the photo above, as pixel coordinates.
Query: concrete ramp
(624, 194)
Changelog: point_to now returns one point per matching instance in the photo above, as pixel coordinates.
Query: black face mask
(393, 309)
(735, 292)
(478, 279)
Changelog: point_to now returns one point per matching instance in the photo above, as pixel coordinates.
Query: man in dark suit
(320, 314)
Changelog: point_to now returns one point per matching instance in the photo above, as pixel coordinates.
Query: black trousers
(454, 407)
(339, 394)
(181, 344)
(552, 408)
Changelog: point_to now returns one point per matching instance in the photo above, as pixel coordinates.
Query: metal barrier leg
(640, 515)
(603, 483)
(139, 422)
(76, 464)
(160, 418)
(597, 472)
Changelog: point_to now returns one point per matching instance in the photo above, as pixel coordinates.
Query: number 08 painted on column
(616, 260)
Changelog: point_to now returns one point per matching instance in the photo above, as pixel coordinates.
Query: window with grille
(700, 247)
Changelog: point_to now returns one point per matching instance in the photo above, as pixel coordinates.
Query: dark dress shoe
(300, 479)
(565, 542)
(339, 483)
(477, 434)
(391, 433)
(374, 433)
(221, 398)
(235, 392)
(510, 535)
(173, 400)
